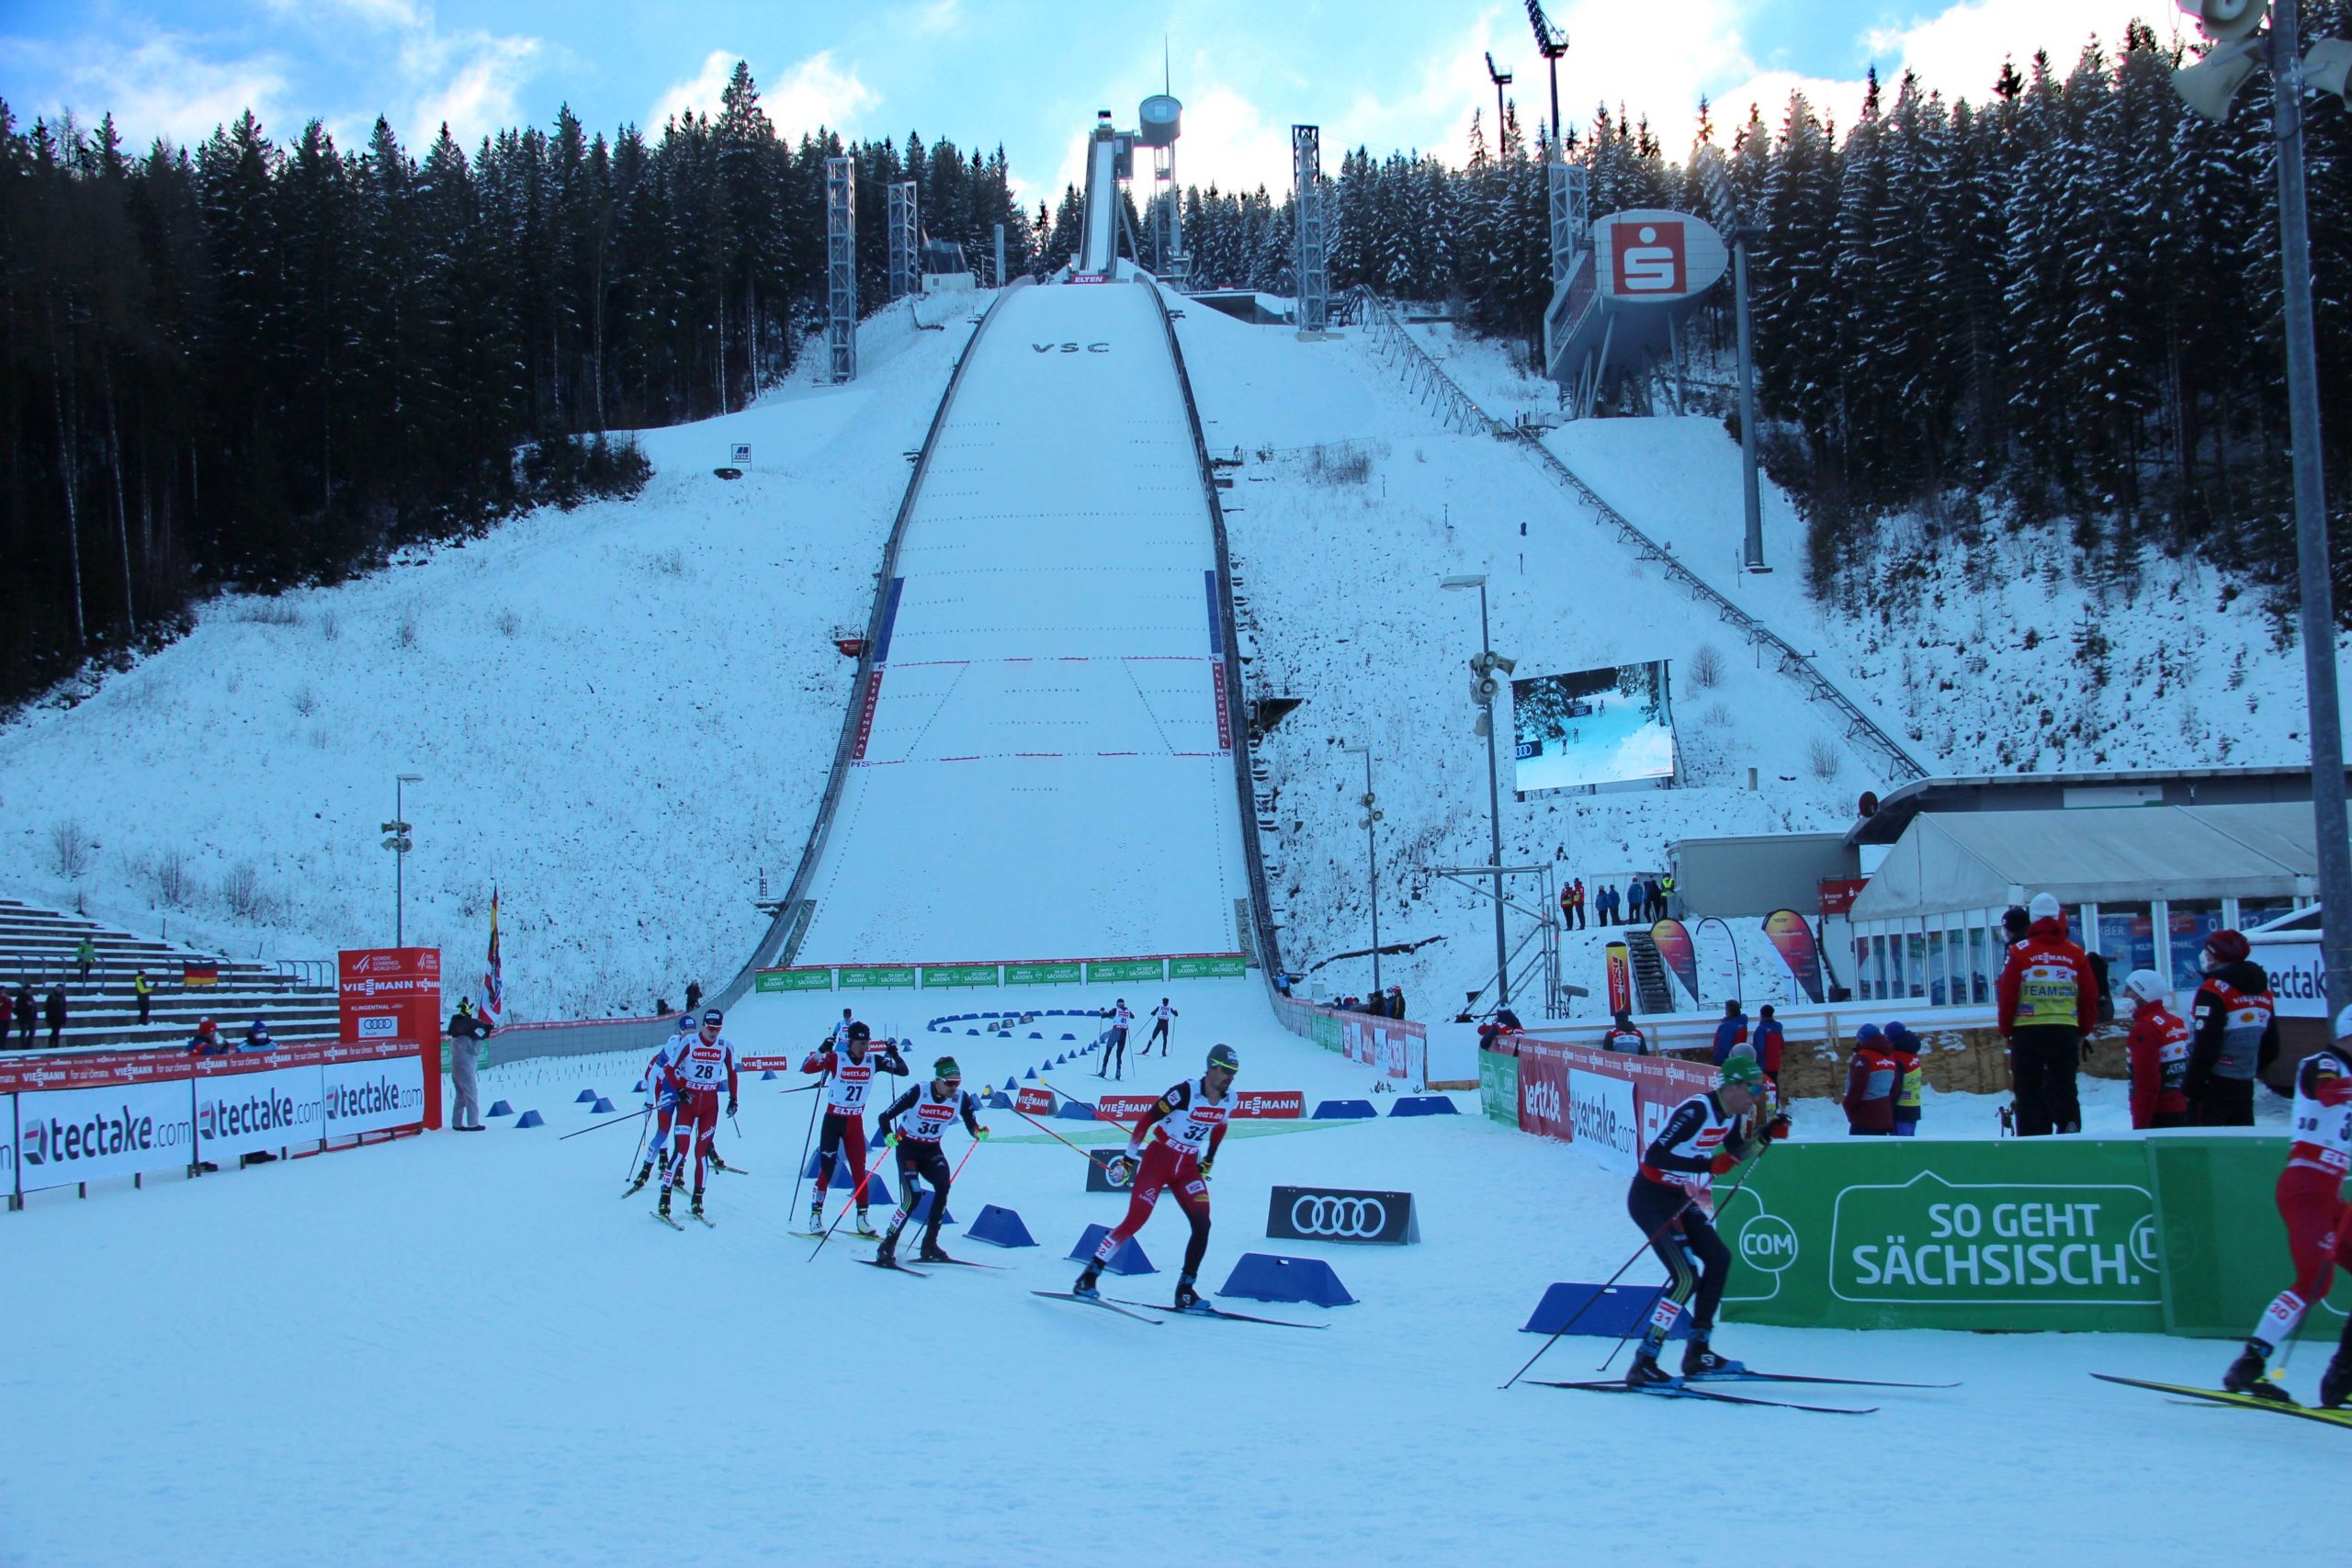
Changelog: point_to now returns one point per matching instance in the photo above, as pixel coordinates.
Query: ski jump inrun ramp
(1041, 765)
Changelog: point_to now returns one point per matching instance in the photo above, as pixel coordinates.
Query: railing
(314, 974)
(1261, 905)
(789, 920)
(1423, 373)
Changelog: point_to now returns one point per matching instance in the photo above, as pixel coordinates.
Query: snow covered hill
(621, 713)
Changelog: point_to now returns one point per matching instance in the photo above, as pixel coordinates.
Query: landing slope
(1044, 770)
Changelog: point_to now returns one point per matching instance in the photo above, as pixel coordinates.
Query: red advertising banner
(1838, 893)
(394, 993)
(1611, 1102)
(1620, 978)
(1676, 948)
(1262, 1104)
(1793, 940)
(1036, 1102)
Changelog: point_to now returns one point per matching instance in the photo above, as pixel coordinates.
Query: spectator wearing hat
(2159, 1053)
(466, 1033)
(144, 989)
(257, 1037)
(2234, 1032)
(207, 1041)
(1731, 1032)
(2047, 1000)
(1771, 1040)
(1902, 1050)
(1870, 1078)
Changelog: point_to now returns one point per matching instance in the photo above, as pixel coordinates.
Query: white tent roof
(2120, 855)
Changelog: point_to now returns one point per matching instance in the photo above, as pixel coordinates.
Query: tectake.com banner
(69, 1135)
(265, 1108)
(1606, 1101)
(373, 1096)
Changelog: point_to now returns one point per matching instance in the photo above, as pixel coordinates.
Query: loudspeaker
(2328, 66)
(2224, 20)
(2209, 85)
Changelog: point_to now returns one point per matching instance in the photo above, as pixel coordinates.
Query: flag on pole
(493, 976)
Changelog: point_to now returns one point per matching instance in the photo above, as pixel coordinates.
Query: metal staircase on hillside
(1653, 992)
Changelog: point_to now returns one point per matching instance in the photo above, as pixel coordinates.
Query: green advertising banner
(2107, 1234)
(1043, 974)
(1128, 969)
(1327, 1033)
(937, 975)
(890, 978)
(793, 980)
(1499, 1086)
(1220, 967)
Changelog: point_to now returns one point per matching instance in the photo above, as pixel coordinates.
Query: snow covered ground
(463, 1349)
(2006, 656)
(1350, 505)
(622, 714)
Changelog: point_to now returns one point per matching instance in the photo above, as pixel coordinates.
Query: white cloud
(815, 92)
(160, 86)
(1960, 50)
(699, 92)
(470, 82)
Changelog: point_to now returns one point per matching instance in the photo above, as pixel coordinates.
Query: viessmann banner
(1606, 1102)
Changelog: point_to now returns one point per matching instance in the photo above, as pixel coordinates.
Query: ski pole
(906, 1206)
(803, 1089)
(854, 1197)
(1051, 1133)
(799, 1170)
(1647, 1242)
(1662, 1289)
(605, 1122)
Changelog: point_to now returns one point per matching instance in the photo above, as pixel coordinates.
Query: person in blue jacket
(1731, 1032)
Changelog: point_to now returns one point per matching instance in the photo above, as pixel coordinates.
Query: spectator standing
(1395, 1001)
(2017, 923)
(1666, 895)
(466, 1033)
(86, 954)
(2159, 1052)
(1580, 903)
(1902, 1050)
(1770, 1041)
(1624, 1037)
(1732, 1033)
(2235, 1032)
(2047, 1001)
(144, 989)
(53, 1014)
(694, 996)
(25, 1011)
(2099, 979)
(1870, 1078)
(7, 1017)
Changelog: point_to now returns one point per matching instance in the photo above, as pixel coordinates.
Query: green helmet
(1223, 1056)
(1739, 1068)
(945, 1068)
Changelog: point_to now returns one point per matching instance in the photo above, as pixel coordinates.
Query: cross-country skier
(1668, 1200)
(665, 1100)
(912, 1125)
(708, 1060)
(2319, 1231)
(1185, 1126)
(1160, 1017)
(849, 1063)
(1116, 1039)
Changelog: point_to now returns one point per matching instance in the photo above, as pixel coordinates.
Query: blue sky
(1029, 74)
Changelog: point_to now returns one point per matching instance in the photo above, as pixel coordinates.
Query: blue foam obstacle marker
(1001, 1227)
(921, 1216)
(1012, 1084)
(1005, 1034)
(971, 1032)
(1070, 1036)
(500, 1108)
(531, 1119)
(1423, 1105)
(1035, 1036)
(767, 1075)
(602, 1108)
(585, 1097)
(1267, 1277)
(1030, 1074)
(1076, 1110)
(1128, 1259)
(1342, 1110)
(999, 1100)
(639, 1088)
(1614, 1312)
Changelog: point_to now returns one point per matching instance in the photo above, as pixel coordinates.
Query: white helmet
(2044, 907)
(2144, 983)
(2343, 1024)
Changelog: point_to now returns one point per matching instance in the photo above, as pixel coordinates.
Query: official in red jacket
(1872, 1077)
(2159, 1050)
(2049, 1000)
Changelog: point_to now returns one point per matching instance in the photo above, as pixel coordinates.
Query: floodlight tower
(1501, 80)
(1551, 44)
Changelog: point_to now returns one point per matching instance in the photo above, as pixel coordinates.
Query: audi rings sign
(1339, 1213)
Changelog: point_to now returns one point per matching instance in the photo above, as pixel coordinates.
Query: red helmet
(2229, 947)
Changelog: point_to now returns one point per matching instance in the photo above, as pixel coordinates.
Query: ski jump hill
(1038, 768)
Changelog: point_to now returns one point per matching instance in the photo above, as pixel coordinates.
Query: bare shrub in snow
(1343, 462)
(404, 631)
(1718, 716)
(175, 878)
(509, 623)
(1825, 758)
(241, 892)
(271, 612)
(330, 624)
(306, 702)
(668, 563)
(1706, 667)
(69, 849)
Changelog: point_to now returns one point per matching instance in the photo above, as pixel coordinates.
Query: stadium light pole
(1485, 664)
(397, 841)
(1371, 854)
(2208, 87)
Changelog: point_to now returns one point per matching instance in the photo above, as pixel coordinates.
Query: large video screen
(1592, 727)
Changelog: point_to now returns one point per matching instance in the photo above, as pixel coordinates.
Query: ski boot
(1700, 1360)
(644, 1174)
(2250, 1375)
(663, 1207)
(817, 1214)
(1645, 1372)
(932, 1252)
(696, 1209)
(2335, 1384)
(887, 1254)
(717, 1163)
(865, 1231)
(1187, 1298)
(1085, 1286)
